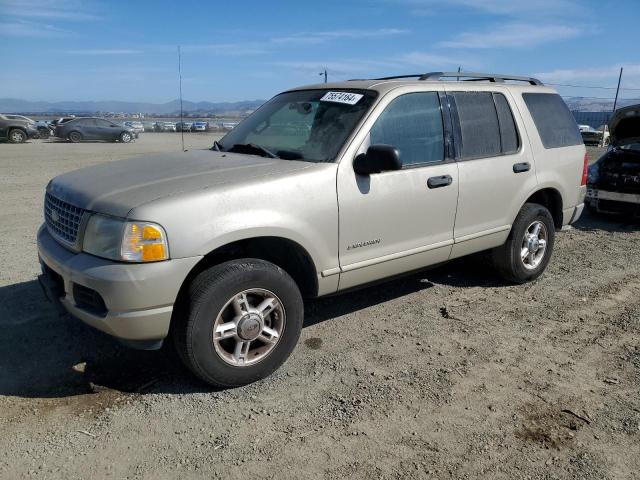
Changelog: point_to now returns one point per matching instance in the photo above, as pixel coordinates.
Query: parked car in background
(136, 127)
(200, 126)
(92, 128)
(165, 127)
(43, 127)
(370, 179)
(614, 180)
(149, 126)
(184, 126)
(590, 136)
(16, 129)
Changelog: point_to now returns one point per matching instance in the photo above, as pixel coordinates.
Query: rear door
(495, 165)
(397, 221)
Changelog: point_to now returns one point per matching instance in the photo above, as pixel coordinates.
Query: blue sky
(237, 50)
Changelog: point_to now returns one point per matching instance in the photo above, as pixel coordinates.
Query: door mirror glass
(379, 158)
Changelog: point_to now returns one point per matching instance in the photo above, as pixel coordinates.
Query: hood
(624, 126)
(115, 188)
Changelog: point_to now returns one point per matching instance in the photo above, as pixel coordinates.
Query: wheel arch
(283, 252)
(551, 199)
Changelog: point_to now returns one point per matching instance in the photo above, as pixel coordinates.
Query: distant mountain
(586, 104)
(12, 105)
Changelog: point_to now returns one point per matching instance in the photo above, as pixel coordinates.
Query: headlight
(117, 239)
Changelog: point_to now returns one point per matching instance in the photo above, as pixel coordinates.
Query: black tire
(209, 292)
(507, 258)
(17, 136)
(125, 137)
(75, 137)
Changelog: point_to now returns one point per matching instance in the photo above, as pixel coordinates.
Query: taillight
(585, 169)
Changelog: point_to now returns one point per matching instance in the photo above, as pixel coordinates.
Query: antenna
(180, 81)
(325, 75)
(615, 102)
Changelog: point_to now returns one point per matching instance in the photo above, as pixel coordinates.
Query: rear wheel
(240, 321)
(527, 251)
(75, 137)
(17, 136)
(125, 137)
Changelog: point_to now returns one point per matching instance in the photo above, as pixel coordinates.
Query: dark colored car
(91, 128)
(613, 182)
(591, 136)
(17, 130)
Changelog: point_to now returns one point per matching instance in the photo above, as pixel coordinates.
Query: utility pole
(180, 81)
(325, 75)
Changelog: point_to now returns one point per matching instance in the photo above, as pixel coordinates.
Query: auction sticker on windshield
(342, 97)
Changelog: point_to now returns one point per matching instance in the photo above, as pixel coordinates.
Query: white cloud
(227, 49)
(64, 10)
(606, 76)
(325, 36)
(426, 59)
(513, 35)
(536, 8)
(105, 51)
(21, 28)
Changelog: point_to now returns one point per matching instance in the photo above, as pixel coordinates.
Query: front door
(398, 221)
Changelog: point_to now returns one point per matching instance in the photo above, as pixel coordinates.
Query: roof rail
(467, 76)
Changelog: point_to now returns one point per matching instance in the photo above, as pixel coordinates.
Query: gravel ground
(447, 374)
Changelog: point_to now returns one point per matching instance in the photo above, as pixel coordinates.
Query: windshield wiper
(216, 146)
(249, 147)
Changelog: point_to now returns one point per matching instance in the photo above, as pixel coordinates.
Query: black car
(613, 182)
(92, 128)
(17, 130)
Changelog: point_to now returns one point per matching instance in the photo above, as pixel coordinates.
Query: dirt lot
(446, 374)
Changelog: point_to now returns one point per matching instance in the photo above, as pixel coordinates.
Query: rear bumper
(135, 301)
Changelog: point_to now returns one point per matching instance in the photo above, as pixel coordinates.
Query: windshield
(310, 125)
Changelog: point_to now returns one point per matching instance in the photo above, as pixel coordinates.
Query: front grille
(62, 218)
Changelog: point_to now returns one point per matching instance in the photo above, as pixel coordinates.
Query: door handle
(441, 181)
(521, 167)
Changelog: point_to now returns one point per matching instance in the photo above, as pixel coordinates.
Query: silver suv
(324, 188)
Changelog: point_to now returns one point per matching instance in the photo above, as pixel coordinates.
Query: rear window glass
(479, 125)
(554, 121)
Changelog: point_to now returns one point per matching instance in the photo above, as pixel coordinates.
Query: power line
(590, 86)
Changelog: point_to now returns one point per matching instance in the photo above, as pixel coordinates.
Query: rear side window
(554, 121)
(479, 127)
(510, 142)
(413, 124)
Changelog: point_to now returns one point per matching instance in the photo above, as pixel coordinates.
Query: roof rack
(467, 76)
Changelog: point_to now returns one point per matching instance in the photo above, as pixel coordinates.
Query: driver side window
(412, 123)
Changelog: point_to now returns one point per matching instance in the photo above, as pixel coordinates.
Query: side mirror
(379, 158)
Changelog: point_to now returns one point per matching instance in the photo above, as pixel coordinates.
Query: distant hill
(586, 104)
(12, 105)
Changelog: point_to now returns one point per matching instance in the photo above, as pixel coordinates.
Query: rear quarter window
(555, 123)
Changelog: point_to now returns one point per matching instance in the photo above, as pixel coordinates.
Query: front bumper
(137, 299)
(613, 202)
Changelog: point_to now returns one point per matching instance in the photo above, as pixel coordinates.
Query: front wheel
(527, 251)
(125, 137)
(17, 136)
(239, 322)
